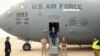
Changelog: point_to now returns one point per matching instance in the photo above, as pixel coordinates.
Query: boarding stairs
(53, 49)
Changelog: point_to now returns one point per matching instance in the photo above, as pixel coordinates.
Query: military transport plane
(77, 20)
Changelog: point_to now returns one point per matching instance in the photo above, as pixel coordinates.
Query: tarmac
(16, 44)
(73, 50)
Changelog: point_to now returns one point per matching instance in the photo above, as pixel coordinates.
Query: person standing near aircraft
(95, 46)
(7, 47)
(53, 35)
(44, 47)
(63, 44)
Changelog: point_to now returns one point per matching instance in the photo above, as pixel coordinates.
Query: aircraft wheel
(26, 47)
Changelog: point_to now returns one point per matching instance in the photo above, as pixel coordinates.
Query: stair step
(53, 50)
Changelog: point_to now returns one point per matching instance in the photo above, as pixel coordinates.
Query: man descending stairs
(53, 42)
(53, 49)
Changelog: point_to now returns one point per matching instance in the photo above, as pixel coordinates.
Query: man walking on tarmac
(7, 47)
(96, 46)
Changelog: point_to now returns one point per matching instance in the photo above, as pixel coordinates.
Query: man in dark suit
(7, 47)
(53, 35)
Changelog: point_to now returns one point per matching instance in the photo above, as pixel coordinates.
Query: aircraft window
(84, 21)
(9, 13)
(22, 5)
(72, 21)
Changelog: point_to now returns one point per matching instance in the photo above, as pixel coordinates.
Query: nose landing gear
(27, 47)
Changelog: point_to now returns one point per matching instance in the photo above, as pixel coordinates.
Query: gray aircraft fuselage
(32, 19)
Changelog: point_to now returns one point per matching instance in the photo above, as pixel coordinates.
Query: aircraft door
(55, 25)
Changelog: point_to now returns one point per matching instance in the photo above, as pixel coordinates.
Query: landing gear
(26, 47)
(80, 45)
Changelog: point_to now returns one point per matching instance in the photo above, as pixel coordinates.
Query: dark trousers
(7, 53)
(53, 40)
